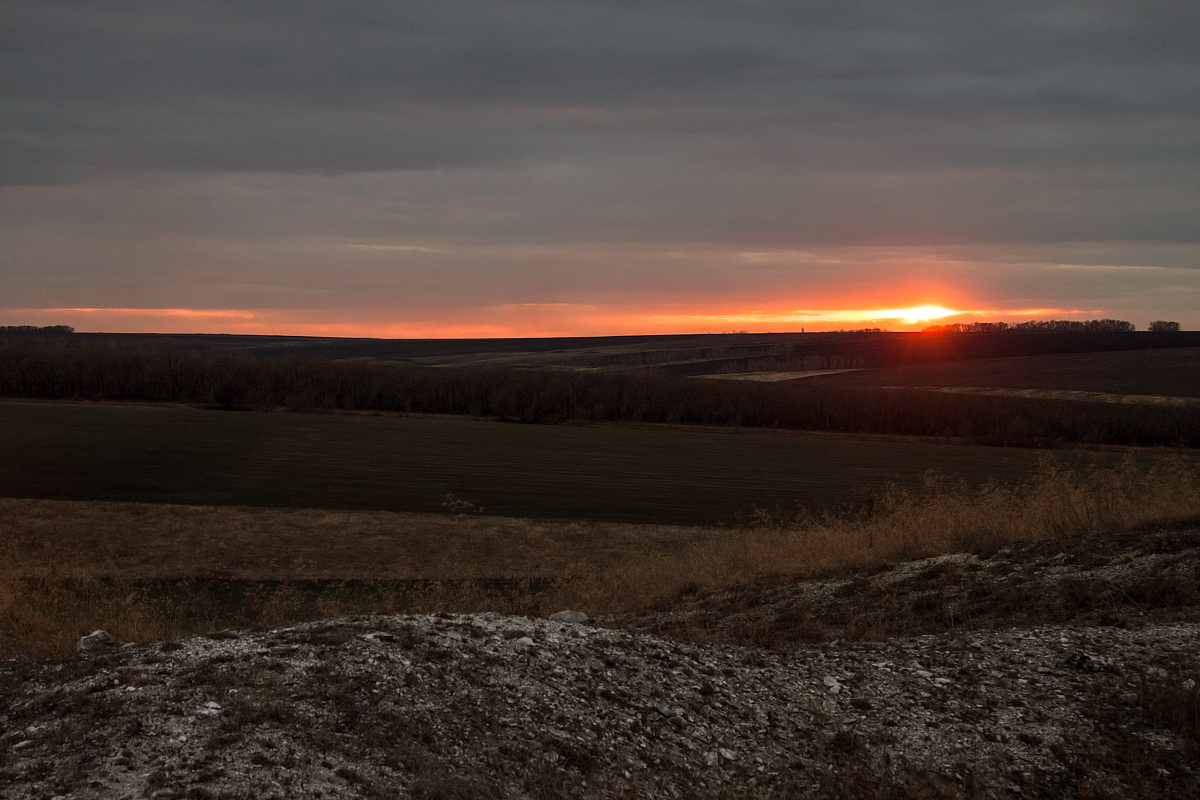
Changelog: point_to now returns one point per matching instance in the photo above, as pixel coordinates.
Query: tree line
(1043, 326)
(35, 367)
(37, 330)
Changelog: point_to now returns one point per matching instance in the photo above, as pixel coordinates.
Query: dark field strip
(1168, 372)
(875, 349)
(241, 601)
(178, 454)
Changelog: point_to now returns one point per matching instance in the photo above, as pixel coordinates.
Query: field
(1054, 583)
(325, 493)
(179, 454)
(152, 571)
(1168, 373)
(643, 382)
(679, 356)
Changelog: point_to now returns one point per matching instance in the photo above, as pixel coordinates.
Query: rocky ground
(1121, 580)
(979, 677)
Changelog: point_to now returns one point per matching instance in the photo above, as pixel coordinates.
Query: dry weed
(904, 525)
(43, 611)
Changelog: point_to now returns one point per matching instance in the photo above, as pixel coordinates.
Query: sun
(923, 313)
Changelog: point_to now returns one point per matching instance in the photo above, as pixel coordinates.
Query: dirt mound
(1112, 579)
(493, 706)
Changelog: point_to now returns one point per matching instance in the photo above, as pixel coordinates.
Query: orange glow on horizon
(925, 313)
(198, 313)
(513, 320)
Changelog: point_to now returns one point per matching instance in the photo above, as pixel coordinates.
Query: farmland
(678, 356)
(179, 454)
(154, 521)
(622, 384)
(158, 485)
(1165, 372)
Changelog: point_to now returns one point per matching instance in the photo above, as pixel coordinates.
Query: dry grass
(49, 596)
(145, 572)
(905, 525)
(150, 541)
(44, 614)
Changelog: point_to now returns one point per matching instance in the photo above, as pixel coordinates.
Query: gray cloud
(134, 130)
(358, 86)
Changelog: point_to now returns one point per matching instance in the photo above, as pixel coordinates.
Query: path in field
(774, 377)
(175, 454)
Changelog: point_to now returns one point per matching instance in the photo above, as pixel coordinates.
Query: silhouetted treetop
(44, 330)
(1037, 326)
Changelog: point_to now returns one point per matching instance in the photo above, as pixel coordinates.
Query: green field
(178, 454)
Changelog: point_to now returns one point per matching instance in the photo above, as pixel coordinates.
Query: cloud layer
(424, 159)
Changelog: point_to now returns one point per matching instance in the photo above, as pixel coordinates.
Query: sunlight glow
(196, 313)
(506, 320)
(924, 313)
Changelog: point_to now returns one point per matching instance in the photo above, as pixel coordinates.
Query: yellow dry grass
(145, 572)
(68, 568)
(146, 541)
(904, 525)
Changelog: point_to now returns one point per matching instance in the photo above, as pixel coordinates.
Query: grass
(43, 610)
(904, 525)
(153, 542)
(179, 454)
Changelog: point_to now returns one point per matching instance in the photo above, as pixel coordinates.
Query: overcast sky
(432, 167)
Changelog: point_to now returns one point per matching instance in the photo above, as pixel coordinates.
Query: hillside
(1099, 702)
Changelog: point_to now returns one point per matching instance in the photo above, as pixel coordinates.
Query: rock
(1086, 662)
(573, 617)
(832, 684)
(95, 642)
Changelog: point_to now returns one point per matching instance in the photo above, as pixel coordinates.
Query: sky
(435, 168)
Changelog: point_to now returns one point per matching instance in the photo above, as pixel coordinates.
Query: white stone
(95, 642)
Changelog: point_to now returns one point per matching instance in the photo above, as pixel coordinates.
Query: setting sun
(923, 313)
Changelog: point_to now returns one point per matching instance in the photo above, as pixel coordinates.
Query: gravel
(486, 705)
